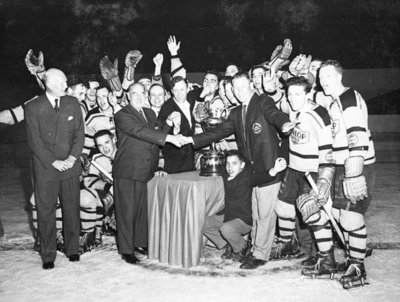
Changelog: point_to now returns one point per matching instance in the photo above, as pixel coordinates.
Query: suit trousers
(46, 193)
(263, 202)
(130, 197)
(231, 232)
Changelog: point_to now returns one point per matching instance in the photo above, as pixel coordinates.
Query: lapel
(184, 120)
(137, 114)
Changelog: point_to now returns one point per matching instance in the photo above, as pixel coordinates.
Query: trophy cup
(212, 162)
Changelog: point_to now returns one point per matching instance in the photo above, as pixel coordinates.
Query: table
(177, 207)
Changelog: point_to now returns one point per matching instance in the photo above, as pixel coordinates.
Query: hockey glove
(354, 183)
(308, 207)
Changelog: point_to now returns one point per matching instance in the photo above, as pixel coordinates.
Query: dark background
(75, 34)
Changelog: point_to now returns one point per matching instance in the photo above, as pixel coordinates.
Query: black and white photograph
(200, 150)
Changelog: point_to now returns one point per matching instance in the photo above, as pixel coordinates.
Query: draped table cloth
(177, 207)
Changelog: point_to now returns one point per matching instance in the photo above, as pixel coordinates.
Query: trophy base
(212, 163)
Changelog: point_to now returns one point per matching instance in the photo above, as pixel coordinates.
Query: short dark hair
(213, 72)
(298, 81)
(235, 152)
(102, 133)
(233, 64)
(333, 63)
(265, 68)
(178, 79)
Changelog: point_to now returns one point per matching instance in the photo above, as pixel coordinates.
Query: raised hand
(108, 70)
(269, 81)
(132, 58)
(173, 46)
(280, 55)
(158, 59)
(300, 64)
(34, 64)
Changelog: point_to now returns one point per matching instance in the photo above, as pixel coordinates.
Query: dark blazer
(178, 159)
(54, 136)
(138, 141)
(261, 145)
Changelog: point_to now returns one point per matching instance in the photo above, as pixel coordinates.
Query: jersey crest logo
(329, 157)
(352, 139)
(256, 128)
(335, 127)
(299, 136)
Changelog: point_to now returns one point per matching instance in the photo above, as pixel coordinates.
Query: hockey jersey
(95, 121)
(349, 116)
(310, 143)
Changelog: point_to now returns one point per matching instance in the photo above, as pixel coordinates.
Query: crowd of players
(330, 140)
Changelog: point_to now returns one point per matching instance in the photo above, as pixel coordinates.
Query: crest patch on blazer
(256, 128)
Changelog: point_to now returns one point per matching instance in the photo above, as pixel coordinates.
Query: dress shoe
(48, 265)
(130, 258)
(251, 262)
(74, 258)
(142, 250)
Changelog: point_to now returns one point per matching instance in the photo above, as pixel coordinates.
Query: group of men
(304, 114)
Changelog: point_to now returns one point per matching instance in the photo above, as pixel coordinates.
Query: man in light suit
(135, 163)
(55, 133)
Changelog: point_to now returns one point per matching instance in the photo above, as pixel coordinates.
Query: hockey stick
(101, 169)
(327, 211)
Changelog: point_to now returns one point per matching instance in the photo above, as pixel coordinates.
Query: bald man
(55, 133)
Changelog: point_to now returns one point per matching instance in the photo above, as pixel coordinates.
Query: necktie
(56, 108)
(142, 113)
(244, 111)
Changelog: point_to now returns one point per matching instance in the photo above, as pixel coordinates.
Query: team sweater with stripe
(349, 116)
(310, 143)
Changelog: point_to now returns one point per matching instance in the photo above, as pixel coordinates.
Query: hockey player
(97, 202)
(98, 119)
(310, 150)
(354, 154)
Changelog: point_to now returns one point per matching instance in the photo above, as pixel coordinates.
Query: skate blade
(331, 276)
(349, 285)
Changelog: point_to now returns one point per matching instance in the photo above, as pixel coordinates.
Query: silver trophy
(212, 162)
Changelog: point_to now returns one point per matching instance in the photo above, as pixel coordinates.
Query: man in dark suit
(255, 124)
(179, 159)
(135, 163)
(56, 135)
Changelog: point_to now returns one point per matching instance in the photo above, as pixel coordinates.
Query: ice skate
(325, 267)
(285, 249)
(355, 276)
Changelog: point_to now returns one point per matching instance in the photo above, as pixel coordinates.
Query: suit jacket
(54, 136)
(138, 140)
(178, 159)
(261, 144)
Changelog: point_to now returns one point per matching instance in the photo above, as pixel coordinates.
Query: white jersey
(95, 178)
(310, 143)
(96, 120)
(350, 131)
